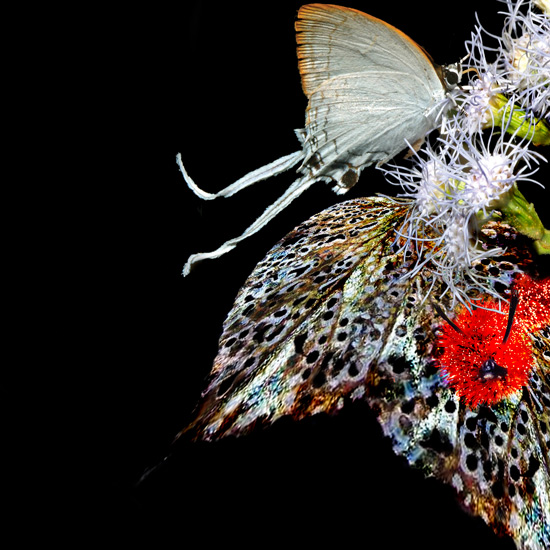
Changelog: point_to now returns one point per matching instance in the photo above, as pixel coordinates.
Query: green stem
(515, 121)
(521, 215)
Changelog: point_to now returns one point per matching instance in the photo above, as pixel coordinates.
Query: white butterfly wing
(371, 90)
(369, 86)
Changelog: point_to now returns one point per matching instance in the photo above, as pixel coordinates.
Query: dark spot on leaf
(438, 442)
(431, 369)
(353, 370)
(471, 423)
(432, 401)
(319, 380)
(450, 406)
(338, 366)
(470, 441)
(484, 440)
(471, 462)
(534, 465)
(499, 287)
(298, 271)
(230, 342)
(399, 364)
(274, 333)
(260, 331)
(312, 356)
(497, 489)
(488, 414)
(338, 237)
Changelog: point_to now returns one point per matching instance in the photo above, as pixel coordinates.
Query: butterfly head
(451, 75)
(491, 370)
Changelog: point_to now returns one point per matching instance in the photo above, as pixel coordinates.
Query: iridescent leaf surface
(327, 317)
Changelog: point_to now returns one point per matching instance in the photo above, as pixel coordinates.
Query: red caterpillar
(488, 356)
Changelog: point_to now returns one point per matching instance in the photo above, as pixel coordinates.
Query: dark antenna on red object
(513, 306)
(444, 316)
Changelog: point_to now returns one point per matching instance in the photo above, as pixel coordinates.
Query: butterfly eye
(452, 75)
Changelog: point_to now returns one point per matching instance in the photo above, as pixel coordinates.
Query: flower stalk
(516, 121)
(521, 214)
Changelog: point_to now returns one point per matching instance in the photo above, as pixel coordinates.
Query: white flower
(453, 189)
(544, 5)
(524, 55)
(517, 64)
(476, 102)
(532, 79)
(455, 186)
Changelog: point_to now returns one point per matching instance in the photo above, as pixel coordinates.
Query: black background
(219, 83)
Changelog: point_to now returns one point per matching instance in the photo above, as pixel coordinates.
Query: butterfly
(371, 92)
(330, 317)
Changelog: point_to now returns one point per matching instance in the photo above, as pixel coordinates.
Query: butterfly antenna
(513, 305)
(444, 316)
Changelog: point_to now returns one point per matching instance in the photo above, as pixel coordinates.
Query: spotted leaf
(329, 316)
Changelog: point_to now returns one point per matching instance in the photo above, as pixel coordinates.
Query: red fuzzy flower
(476, 361)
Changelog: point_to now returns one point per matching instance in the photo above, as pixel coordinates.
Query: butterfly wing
(369, 86)
(326, 317)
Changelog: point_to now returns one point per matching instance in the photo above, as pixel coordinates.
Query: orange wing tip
(311, 19)
(316, 20)
(323, 13)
